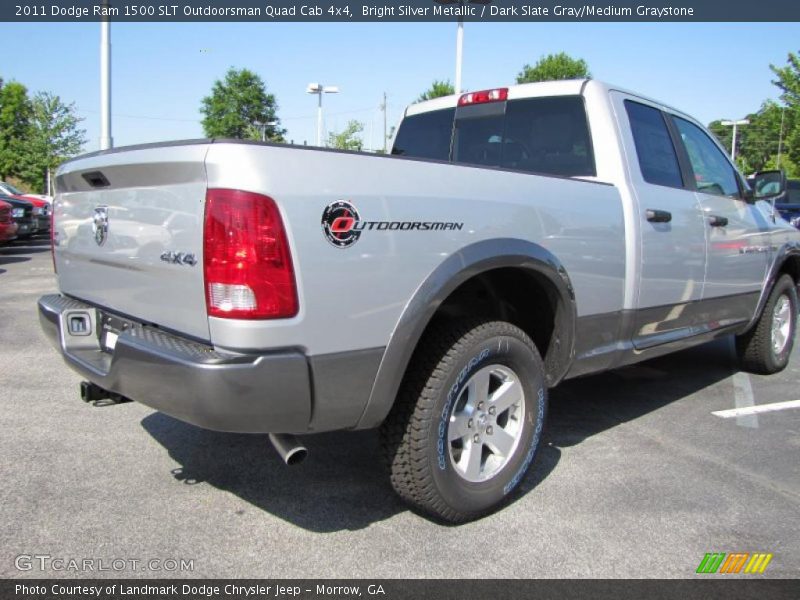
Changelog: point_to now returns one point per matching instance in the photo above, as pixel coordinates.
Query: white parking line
(754, 410)
(744, 400)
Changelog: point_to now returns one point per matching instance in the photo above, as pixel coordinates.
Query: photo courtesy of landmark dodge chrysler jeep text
(517, 237)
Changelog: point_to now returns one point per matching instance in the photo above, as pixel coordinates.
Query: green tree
(15, 114)
(54, 135)
(348, 138)
(239, 107)
(788, 80)
(768, 133)
(437, 90)
(772, 138)
(791, 168)
(553, 67)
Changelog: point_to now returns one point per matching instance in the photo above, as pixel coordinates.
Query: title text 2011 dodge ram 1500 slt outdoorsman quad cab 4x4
(518, 237)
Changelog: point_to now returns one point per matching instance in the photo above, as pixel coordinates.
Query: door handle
(658, 216)
(717, 221)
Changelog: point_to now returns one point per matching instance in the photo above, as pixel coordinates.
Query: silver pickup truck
(516, 237)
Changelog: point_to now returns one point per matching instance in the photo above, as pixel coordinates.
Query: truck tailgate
(129, 234)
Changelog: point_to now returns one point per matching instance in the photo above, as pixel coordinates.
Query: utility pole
(385, 135)
(735, 124)
(106, 140)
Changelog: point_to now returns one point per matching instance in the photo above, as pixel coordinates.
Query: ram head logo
(100, 225)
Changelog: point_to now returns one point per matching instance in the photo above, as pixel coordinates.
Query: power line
(148, 118)
(183, 120)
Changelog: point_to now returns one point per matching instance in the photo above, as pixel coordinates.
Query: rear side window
(658, 160)
(426, 135)
(549, 136)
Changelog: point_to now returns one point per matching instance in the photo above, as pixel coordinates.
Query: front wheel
(766, 348)
(468, 420)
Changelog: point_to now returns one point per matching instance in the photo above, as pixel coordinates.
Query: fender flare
(459, 267)
(784, 253)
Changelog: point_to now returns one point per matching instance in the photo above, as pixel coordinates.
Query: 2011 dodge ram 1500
(517, 237)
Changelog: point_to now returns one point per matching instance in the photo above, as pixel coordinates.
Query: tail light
(248, 267)
(483, 97)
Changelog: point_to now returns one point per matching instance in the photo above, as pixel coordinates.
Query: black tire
(755, 348)
(415, 434)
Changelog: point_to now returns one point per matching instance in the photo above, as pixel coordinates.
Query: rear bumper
(246, 393)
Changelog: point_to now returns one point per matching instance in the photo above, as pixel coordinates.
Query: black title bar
(402, 10)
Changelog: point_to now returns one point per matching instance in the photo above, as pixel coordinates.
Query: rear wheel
(766, 348)
(468, 419)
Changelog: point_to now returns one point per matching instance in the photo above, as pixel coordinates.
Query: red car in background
(10, 190)
(41, 204)
(8, 228)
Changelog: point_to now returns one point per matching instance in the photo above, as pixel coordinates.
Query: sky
(161, 71)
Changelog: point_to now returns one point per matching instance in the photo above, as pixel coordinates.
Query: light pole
(106, 141)
(319, 89)
(734, 124)
(262, 126)
(459, 53)
(460, 36)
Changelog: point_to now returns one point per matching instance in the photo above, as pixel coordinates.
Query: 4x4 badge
(179, 258)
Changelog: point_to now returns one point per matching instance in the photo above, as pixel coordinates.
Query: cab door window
(713, 173)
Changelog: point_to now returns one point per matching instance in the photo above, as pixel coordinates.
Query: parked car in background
(41, 204)
(788, 203)
(22, 213)
(41, 212)
(8, 227)
(11, 190)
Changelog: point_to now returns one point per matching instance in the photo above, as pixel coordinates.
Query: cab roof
(563, 87)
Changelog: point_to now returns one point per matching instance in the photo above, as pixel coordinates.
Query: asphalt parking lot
(637, 478)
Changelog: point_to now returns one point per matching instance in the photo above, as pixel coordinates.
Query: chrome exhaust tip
(291, 450)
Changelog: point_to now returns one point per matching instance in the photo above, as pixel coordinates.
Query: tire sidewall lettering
(782, 357)
(510, 351)
(537, 434)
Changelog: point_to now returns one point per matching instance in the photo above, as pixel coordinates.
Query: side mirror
(768, 185)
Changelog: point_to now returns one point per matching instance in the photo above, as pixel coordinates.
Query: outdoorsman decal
(342, 224)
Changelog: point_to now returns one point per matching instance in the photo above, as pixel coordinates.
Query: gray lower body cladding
(246, 393)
